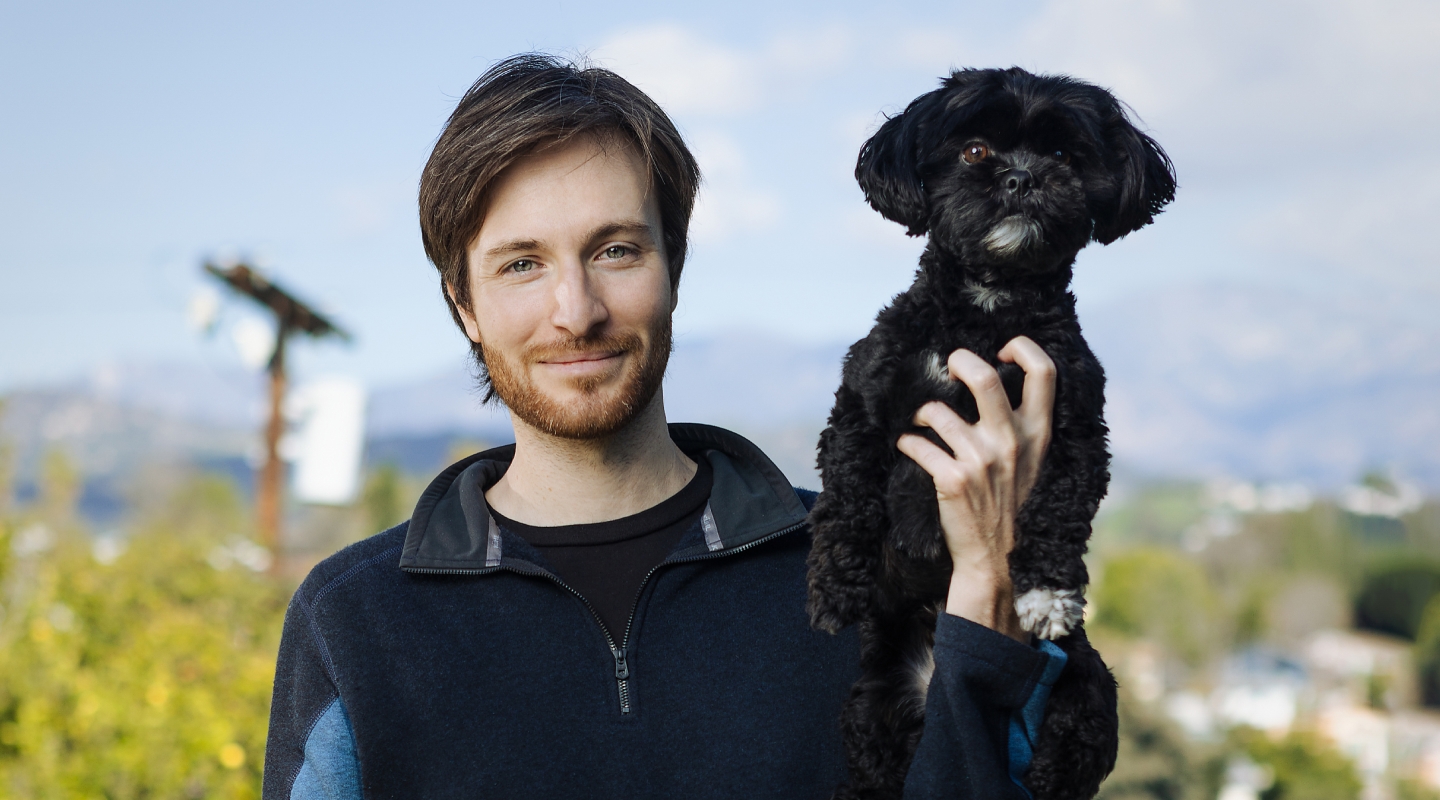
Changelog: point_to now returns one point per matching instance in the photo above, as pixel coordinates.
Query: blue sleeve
(310, 749)
(331, 769)
(982, 713)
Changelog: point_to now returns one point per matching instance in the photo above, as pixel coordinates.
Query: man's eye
(616, 252)
(523, 265)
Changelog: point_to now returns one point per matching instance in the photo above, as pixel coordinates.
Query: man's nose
(1018, 182)
(578, 308)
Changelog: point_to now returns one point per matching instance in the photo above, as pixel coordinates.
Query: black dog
(1010, 174)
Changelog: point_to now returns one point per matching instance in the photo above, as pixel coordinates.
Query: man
(614, 606)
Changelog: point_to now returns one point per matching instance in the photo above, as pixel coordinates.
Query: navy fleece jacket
(442, 658)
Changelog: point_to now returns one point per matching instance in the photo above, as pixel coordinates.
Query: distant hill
(1272, 384)
(1254, 383)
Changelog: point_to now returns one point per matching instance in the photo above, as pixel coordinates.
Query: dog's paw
(1050, 613)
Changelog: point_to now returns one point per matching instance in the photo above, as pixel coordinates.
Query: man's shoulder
(368, 559)
(807, 497)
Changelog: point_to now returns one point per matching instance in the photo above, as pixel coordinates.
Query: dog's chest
(921, 372)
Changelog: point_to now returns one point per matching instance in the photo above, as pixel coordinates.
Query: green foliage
(1161, 595)
(1414, 790)
(1156, 762)
(382, 499)
(148, 676)
(1304, 765)
(1157, 515)
(1427, 653)
(1393, 597)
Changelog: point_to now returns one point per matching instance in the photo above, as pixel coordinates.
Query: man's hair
(527, 102)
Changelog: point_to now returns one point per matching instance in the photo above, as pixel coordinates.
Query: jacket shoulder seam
(314, 601)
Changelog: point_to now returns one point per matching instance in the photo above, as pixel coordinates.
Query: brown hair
(524, 103)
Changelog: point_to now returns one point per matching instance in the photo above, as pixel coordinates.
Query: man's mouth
(594, 362)
(576, 358)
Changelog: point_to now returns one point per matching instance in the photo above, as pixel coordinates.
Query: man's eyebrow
(632, 227)
(512, 246)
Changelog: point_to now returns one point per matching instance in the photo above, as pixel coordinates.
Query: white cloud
(688, 73)
(682, 71)
(731, 202)
(1374, 226)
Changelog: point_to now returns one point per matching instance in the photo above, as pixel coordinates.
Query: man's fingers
(944, 469)
(1038, 398)
(953, 431)
(983, 382)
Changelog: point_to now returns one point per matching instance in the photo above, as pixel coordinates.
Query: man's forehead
(567, 193)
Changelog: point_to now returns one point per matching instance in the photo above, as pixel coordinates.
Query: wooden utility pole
(291, 316)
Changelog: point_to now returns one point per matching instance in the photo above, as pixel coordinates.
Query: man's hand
(982, 487)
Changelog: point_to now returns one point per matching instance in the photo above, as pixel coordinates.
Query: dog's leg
(1078, 739)
(883, 720)
(1052, 529)
(848, 521)
(1047, 565)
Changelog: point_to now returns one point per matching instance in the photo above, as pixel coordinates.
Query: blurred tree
(1393, 596)
(1304, 765)
(1251, 619)
(382, 499)
(7, 469)
(148, 676)
(1156, 762)
(60, 485)
(1160, 595)
(1159, 514)
(1427, 654)
(1414, 790)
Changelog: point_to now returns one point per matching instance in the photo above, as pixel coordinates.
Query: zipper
(620, 653)
(622, 665)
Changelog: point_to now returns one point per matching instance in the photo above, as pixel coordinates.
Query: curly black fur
(1053, 164)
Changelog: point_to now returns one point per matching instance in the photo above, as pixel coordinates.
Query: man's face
(570, 291)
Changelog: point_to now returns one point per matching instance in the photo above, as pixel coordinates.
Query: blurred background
(1264, 569)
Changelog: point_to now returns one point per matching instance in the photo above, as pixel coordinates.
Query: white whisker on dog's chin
(1013, 235)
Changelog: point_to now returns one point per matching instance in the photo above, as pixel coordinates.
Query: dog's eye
(975, 151)
(1062, 156)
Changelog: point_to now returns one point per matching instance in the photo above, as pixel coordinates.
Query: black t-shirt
(606, 561)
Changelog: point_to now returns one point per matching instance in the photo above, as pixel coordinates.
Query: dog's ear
(1144, 174)
(889, 165)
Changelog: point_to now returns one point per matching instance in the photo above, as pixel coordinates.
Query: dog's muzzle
(1014, 235)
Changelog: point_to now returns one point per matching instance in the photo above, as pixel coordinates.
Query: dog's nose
(1018, 182)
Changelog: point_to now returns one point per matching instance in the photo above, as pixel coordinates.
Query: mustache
(583, 345)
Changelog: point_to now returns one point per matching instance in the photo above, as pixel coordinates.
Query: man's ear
(888, 168)
(463, 313)
(1145, 175)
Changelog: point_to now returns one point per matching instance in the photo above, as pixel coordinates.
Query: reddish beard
(598, 413)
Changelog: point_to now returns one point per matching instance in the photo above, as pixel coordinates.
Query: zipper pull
(622, 670)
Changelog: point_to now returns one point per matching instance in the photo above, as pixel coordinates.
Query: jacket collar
(452, 531)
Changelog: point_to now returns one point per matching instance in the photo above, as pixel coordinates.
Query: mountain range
(1254, 383)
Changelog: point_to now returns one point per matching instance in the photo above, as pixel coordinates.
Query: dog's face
(1013, 173)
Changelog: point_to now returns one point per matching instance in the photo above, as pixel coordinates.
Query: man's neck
(556, 481)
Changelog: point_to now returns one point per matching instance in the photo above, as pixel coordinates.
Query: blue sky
(138, 138)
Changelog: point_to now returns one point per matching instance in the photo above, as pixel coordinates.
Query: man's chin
(587, 403)
(579, 415)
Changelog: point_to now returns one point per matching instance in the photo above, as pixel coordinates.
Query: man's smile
(585, 363)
